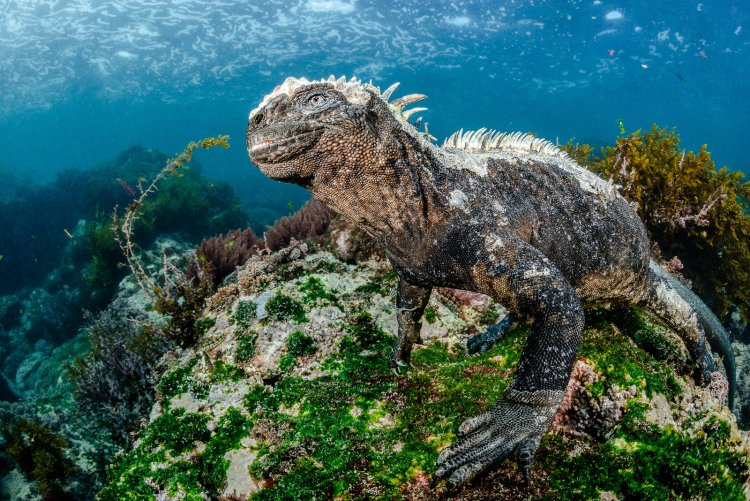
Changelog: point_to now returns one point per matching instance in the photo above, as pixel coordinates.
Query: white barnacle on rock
(458, 199)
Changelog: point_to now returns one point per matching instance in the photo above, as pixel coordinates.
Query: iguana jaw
(273, 148)
(281, 142)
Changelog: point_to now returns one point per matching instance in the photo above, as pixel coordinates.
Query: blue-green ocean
(97, 94)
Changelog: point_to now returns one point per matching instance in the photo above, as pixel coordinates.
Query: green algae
(246, 346)
(490, 316)
(222, 372)
(621, 362)
(202, 325)
(324, 266)
(314, 292)
(643, 461)
(155, 463)
(381, 284)
(244, 315)
(430, 315)
(231, 429)
(176, 430)
(283, 307)
(298, 344)
(180, 380)
(362, 429)
(176, 381)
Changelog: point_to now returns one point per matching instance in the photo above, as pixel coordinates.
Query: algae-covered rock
(288, 395)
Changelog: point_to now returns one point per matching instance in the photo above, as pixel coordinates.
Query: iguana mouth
(279, 143)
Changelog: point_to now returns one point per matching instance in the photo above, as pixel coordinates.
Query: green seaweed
(283, 307)
(315, 291)
(222, 372)
(180, 380)
(298, 344)
(360, 418)
(490, 316)
(204, 324)
(246, 346)
(231, 429)
(177, 430)
(642, 461)
(134, 475)
(244, 316)
(430, 315)
(381, 284)
(622, 363)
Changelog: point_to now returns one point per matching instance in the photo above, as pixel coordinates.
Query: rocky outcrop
(288, 395)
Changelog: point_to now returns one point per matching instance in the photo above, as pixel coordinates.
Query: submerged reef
(288, 395)
(49, 277)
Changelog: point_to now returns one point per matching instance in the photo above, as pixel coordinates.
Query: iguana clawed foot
(514, 425)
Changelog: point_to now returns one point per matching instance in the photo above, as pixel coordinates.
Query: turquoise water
(95, 94)
(83, 79)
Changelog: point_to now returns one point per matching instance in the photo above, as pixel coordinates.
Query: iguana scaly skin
(507, 215)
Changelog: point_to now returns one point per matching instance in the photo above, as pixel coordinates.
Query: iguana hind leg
(664, 300)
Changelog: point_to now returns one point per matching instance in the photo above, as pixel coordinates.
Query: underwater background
(97, 95)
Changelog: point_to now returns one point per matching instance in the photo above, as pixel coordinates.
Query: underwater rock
(6, 393)
(742, 356)
(28, 368)
(298, 402)
(40, 373)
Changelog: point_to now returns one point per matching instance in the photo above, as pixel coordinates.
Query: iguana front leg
(538, 293)
(410, 304)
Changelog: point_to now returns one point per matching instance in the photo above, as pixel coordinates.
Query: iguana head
(303, 128)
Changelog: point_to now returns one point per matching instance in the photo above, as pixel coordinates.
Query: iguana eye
(315, 102)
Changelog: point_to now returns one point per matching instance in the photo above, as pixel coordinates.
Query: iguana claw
(516, 424)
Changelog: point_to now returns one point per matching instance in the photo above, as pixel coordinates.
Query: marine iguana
(507, 215)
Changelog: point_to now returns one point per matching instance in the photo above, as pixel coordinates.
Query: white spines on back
(484, 140)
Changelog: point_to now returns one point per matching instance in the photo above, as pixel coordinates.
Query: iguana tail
(675, 304)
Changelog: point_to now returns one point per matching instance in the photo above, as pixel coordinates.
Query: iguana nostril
(258, 118)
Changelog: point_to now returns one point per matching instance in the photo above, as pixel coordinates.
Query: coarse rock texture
(49, 394)
(288, 395)
(742, 356)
